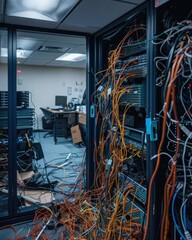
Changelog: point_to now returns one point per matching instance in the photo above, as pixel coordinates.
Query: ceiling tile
(75, 28)
(67, 39)
(28, 44)
(36, 62)
(78, 49)
(88, 17)
(95, 14)
(44, 55)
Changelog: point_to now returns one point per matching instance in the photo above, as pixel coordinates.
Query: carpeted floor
(62, 162)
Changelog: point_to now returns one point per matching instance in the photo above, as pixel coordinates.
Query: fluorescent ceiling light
(72, 57)
(47, 10)
(20, 53)
(41, 5)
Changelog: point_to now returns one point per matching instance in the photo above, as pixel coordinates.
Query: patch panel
(135, 212)
(139, 192)
(135, 94)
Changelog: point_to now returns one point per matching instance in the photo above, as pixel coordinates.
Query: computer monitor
(61, 101)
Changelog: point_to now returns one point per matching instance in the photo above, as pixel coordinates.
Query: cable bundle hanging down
(176, 116)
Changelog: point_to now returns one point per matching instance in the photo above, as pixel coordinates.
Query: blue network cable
(173, 213)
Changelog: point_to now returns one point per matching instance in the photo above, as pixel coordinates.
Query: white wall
(46, 82)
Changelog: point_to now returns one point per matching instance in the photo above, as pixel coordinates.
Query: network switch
(22, 99)
(135, 94)
(129, 50)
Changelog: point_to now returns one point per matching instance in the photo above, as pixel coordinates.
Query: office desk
(63, 120)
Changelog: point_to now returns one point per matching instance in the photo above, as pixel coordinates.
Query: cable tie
(172, 120)
(174, 162)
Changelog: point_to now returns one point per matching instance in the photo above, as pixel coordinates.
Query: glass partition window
(49, 93)
(3, 124)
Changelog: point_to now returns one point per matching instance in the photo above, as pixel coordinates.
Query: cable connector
(100, 88)
(179, 186)
(108, 165)
(188, 235)
(186, 131)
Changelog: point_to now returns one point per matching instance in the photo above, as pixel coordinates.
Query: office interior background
(114, 161)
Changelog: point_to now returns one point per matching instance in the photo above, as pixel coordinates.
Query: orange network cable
(173, 168)
(169, 93)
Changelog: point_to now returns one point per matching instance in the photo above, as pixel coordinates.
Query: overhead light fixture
(47, 10)
(20, 53)
(72, 57)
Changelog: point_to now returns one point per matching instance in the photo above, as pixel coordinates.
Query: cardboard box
(76, 134)
(36, 196)
(82, 118)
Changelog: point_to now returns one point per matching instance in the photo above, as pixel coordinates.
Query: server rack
(124, 99)
(167, 193)
(173, 83)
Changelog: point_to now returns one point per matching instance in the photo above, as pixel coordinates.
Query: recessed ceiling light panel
(47, 10)
(72, 57)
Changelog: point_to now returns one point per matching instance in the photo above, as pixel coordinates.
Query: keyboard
(62, 109)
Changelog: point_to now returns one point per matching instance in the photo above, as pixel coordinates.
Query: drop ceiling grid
(44, 55)
(77, 49)
(36, 61)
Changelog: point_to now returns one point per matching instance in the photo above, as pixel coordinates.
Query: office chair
(47, 122)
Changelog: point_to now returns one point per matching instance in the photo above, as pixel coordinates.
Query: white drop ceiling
(87, 17)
